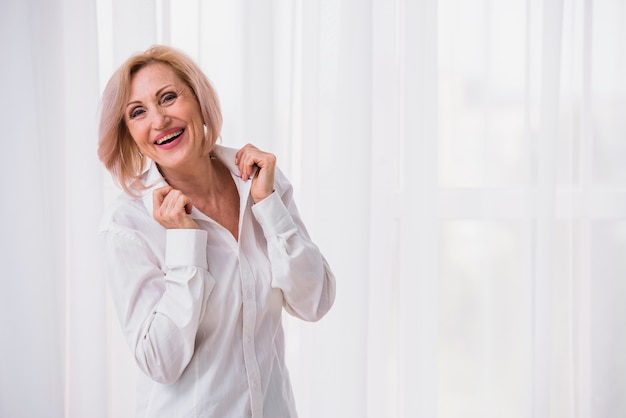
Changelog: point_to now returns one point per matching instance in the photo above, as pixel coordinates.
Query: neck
(202, 178)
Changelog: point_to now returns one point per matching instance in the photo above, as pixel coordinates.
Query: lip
(169, 144)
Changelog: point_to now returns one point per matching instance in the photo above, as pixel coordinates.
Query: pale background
(459, 162)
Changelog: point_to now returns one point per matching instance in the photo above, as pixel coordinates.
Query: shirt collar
(153, 178)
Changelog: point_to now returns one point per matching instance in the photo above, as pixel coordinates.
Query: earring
(140, 154)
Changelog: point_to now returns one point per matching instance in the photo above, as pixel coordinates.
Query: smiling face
(163, 117)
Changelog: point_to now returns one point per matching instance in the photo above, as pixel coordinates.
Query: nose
(160, 119)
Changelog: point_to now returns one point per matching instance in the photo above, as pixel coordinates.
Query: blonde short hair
(116, 148)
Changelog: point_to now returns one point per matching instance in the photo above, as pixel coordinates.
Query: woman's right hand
(171, 209)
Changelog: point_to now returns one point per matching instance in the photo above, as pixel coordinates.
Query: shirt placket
(249, 324)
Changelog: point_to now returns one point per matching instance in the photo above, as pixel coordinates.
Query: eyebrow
(158, 93)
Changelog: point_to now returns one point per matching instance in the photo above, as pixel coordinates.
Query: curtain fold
(85, 344)
(53, 345)
(32, 303)
(544, 224)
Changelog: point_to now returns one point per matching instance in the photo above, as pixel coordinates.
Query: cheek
(138, 133)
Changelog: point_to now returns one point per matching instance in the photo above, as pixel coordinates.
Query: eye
(168, 97)
(136, 112)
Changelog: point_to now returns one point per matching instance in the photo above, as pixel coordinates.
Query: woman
(203, 250)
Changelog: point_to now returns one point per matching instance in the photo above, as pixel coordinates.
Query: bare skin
(164, 119)
(217, 198)
(220, 203)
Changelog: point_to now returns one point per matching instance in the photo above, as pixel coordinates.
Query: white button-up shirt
(201, 311)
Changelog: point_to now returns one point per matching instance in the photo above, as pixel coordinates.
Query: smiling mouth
(169, 138)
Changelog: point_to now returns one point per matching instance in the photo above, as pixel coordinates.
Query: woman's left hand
(263, 182)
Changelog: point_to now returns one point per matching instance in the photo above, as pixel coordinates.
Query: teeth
(168, 137)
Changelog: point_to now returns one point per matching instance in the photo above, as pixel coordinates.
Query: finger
(239, 155)
(184, 204)
(245, 159)
(263, 181)
(158, 196)
(174, 203)
(242, 163)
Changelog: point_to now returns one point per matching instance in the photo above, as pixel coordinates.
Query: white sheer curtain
(459, 163)
(52, 326)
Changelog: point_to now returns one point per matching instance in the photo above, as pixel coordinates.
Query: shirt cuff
(186, 247)
(273, 216)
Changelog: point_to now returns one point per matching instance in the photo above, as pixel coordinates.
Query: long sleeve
(159, 301)
(299, 269)
(202, 311)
